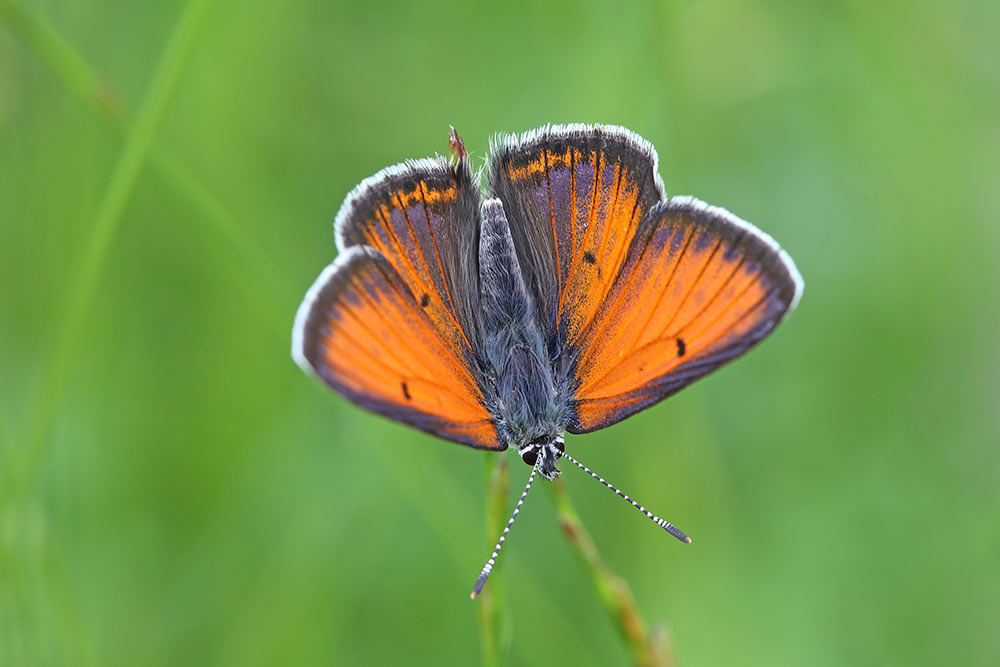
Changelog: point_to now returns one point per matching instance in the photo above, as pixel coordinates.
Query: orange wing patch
(697, 289)
(364, 333)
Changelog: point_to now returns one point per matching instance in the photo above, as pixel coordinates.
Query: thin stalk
(70, 67)
(647, 649)
(493, 621)
(253, 271)
(22, 463)
(86, 278)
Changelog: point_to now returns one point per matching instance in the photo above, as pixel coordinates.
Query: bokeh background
(175, 491)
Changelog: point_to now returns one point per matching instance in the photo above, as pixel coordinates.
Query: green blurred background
(175, 491)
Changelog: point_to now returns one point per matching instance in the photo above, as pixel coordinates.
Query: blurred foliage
(176, 491)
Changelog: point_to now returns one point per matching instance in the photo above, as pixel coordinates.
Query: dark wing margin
(423, 216)
(362, 330)
(574, 196)
(698, 288)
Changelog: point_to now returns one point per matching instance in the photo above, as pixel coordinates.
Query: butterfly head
(546, 448)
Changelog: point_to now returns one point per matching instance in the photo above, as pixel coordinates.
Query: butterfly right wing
(698, 288)
(639, 295)
(423, 216)
(362, 331)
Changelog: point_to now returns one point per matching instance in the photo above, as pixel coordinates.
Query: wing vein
(552, 222)
(595, 335)
(610, 217)
(623, 247)
(447, 354)
(402, 369)
(671, 374)
(690, 290)
(750, 283)
(423, 258)
(437, 254)
(572, 226)
(639, 330)
(399, 246)
(715, 296)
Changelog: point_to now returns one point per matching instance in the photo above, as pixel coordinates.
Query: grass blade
(86, 278)
(647, 649)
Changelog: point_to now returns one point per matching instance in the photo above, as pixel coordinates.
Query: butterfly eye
(560, 445)
(530, 456)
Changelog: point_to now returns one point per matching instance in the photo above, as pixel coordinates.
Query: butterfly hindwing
(362, 330)
(698, 288)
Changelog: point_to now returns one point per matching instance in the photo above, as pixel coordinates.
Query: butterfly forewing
(574, 196)
(423, 216)
(363, 332)
(698, 288)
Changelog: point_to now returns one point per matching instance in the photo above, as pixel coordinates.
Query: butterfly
(566, 294)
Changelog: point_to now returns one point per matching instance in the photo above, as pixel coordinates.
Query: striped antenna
(484, 575)
(669, 527)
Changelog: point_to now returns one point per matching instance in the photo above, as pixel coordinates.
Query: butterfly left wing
(698, 288)
(362, 331)
(393, 324)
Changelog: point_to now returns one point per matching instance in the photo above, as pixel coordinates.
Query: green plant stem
(647, 649)
(69, 66)
(492, 609)
(254, 273)
(86, 278)
(21, 464)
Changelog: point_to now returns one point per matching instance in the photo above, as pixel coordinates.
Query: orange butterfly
(575, 295)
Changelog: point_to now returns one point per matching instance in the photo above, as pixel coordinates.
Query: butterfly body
(520, 383)
(573, 295)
